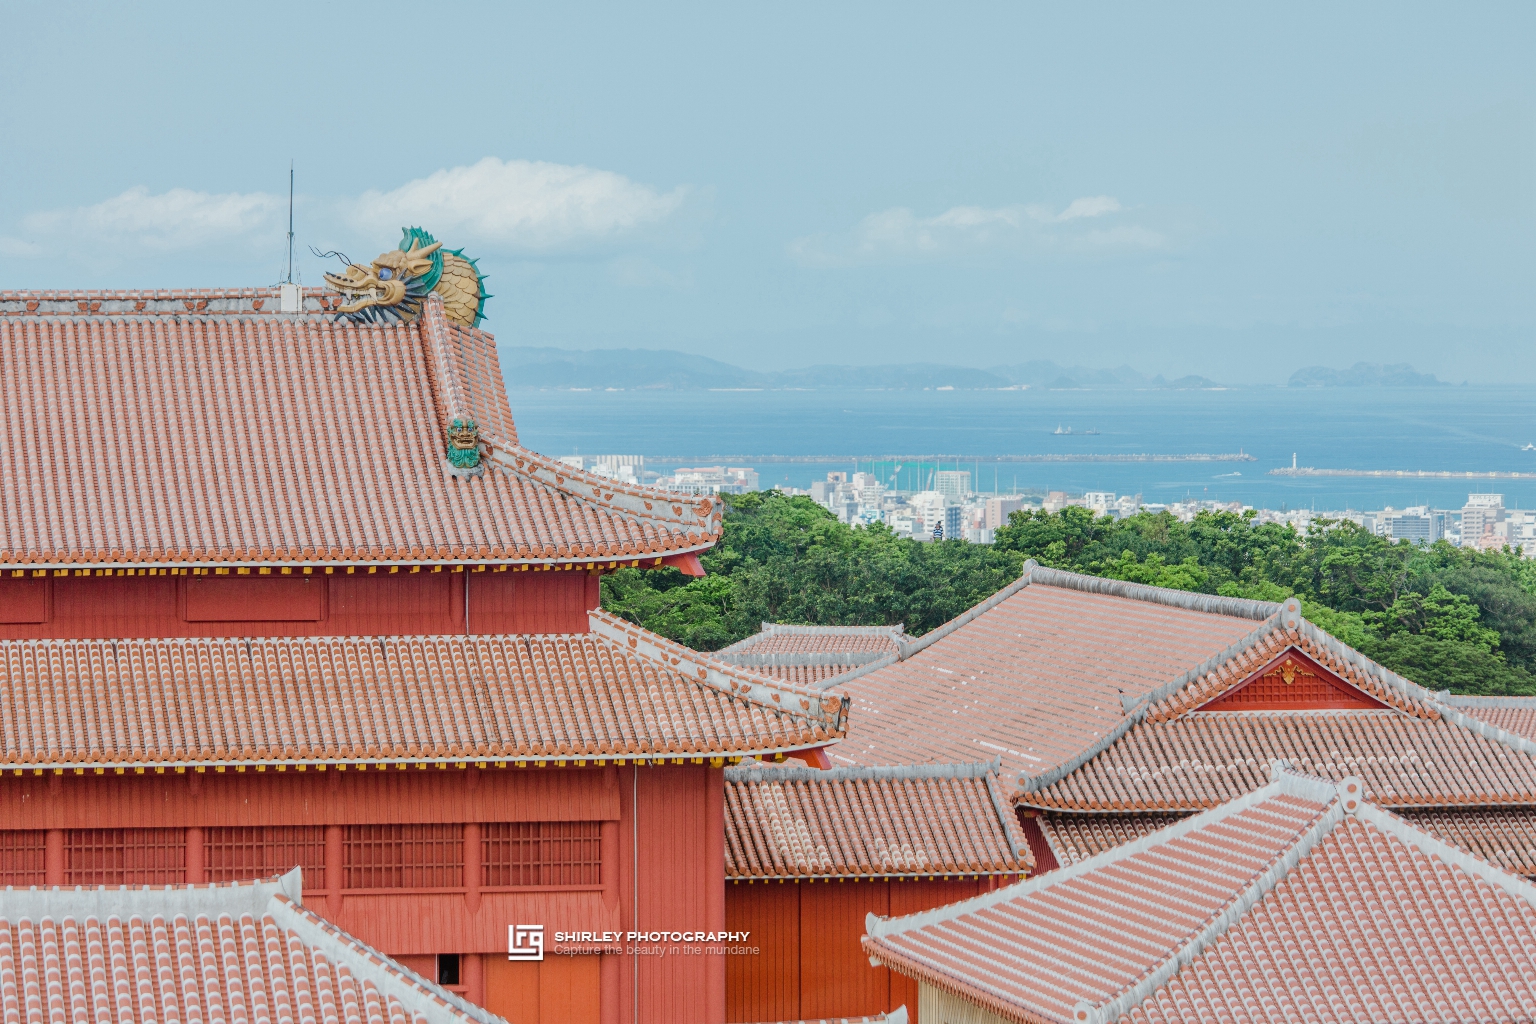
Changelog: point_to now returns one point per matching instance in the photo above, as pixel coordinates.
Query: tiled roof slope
(1515, 715)
(930, 821)
(242, 953)
(118, 705)
(1505, 837)
(246, 438)
(1299, 901)
(1198, 761)
(813, 654)
(1038, 673)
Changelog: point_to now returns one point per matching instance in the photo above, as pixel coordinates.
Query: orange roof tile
(203, 436)
(1299, 901)
(1199, 761)
(613, 692)
(244, 953)
(928, 821)
(1075, 837)
(1516, 715)
(1505, 837)
(1039, 672)
(814, 654)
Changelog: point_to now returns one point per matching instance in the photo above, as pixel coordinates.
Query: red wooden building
(810, 854)
(251, 617)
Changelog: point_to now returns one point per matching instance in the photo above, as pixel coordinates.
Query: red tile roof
(1038, 673)
(1515, 715)
(1299, 901)
(1098, 696)
(1199, 761)
(238, 437)
(1075, 837)
(616, 692)
(814, 654)
(1505, 837)
(930, 821)
(239, 953)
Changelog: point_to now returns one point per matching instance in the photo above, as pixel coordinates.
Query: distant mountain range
(1364, 375)
(639, 369)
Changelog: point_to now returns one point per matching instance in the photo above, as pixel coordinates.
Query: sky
(1230, 190)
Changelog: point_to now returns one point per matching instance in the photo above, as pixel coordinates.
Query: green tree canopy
(1445, 617)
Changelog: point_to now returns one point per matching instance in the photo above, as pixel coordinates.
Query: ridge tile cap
(831, 709)
(1284, 782)
(775, 773)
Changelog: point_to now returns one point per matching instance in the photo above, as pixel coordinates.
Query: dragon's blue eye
(384, 274)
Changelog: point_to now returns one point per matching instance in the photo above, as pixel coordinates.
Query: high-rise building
(954, 484)
(1416, 524)
(1479, 516)
(999, 509)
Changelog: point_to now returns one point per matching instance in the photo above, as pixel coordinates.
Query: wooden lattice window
(261, 851)
(125, 856)
(22, 857)
(540, 853)
(405, 856)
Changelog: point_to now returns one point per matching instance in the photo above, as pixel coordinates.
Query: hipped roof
(243, 953)
(1299, 901)
(206, 429)
(615, 692)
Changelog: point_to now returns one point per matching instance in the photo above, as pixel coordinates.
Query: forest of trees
(1444, 617)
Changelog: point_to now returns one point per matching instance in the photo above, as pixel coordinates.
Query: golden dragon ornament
(395, 286)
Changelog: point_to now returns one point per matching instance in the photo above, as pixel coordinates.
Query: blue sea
(1451, 428)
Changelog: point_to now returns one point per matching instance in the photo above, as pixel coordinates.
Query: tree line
(1445, 617)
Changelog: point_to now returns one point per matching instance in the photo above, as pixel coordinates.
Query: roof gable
(1293, 682)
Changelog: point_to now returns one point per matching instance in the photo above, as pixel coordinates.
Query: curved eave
(175, 767)
(663, 509)
(648, 560)
(1017, 874)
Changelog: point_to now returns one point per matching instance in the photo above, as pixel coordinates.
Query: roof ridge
(768, 629)
(392, 979)
(638, 504)
(169, 901)
(830, 709)
(1472, 700)
(963, 770)
(1212, 604)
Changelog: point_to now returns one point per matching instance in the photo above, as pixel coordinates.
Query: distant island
(1364, 375)
(662, 369)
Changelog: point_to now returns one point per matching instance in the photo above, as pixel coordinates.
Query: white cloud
(515, 206)
(518, 205)
(1086, 226)
(175, 220)
(15, 248)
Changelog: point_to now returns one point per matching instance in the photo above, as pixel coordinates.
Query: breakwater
(1402, 474)
(963, 460)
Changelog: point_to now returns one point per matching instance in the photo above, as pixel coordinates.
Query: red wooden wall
(425, 862)
(320, 604)
(810, 964)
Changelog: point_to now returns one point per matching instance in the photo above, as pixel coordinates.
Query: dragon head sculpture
(395, 285)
